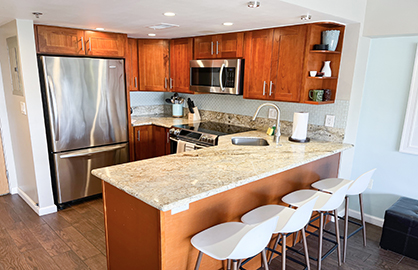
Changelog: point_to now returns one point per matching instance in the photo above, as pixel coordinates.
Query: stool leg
(234, 265)
(274, 248)
(305, 247)
(321, 232)
(345, 229)
(284, 252)
(263, 255)
(228, 267)
(296, 237)
(199, 258)
(362, 219)
(337, 236)
(239, 263)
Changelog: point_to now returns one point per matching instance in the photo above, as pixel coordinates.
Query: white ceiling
(195, 17)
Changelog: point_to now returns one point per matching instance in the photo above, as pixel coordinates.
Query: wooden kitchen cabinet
(68, 41)
(314, 60)
(60, 40)
(151, 141)
(105, 44)
(219, 46)
(274, 63)
(181, 52)
(154, 64)
(132, 65)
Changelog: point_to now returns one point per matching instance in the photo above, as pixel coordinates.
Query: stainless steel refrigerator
(86, 121)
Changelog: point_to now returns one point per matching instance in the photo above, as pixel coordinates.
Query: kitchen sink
(249, 141)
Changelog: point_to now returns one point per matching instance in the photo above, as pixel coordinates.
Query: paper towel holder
(299, 141)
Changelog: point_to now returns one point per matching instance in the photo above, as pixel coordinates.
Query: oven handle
(195, 145)
(220, 77)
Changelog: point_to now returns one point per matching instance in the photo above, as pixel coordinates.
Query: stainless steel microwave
(222, 76)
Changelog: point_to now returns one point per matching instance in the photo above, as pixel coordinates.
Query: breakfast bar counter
(153, 207)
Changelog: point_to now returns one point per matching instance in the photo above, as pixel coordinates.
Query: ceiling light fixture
(162, 26)
(306, 17)
(253, 4)
(100, 28)
(151, 35)
(228, 23)
(37, 14)
(169, 14)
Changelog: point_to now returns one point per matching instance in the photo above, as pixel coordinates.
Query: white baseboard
(39, 210)
(13, 190)
(356, 214)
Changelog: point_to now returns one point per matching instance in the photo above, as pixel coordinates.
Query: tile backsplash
(143, 103)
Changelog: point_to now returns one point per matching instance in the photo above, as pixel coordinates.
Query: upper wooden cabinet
(105, 44)
(154, 63)
(59, 40)
(131, 64)
(219, 46)
(68, 41)
(181, 52)
(274, 61)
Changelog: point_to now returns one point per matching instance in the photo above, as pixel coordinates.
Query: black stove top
(214, 128)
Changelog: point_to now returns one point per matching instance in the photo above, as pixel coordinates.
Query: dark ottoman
(400, 229)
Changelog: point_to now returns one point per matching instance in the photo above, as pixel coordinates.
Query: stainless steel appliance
(86, 121)
(222, 76)
(201, 134)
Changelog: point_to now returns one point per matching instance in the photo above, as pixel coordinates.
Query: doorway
(4, 184)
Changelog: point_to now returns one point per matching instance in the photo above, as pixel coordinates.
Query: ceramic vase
(326, 69)
(330, 37)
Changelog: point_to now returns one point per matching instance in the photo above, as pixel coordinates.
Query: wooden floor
(74, 239)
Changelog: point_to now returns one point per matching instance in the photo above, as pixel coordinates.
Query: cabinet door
(59, 40)
(161, 141)
(105, 44)
(153, 58)
(258, 52)
(230, 45)
(132, 64)
(181, 52)
(287, 65)
(204, 47)
(144, 145)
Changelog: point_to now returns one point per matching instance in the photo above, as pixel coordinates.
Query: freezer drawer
(73, 179)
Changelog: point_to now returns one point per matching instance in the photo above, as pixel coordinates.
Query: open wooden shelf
(324, 51)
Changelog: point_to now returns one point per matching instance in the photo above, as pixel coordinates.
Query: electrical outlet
(23, 108)
(370, 184)
(329, 120)
(272, 114)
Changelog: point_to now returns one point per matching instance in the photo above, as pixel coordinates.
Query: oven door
(216, 76)
(186, 146)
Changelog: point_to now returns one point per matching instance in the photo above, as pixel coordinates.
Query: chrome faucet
(277, 134)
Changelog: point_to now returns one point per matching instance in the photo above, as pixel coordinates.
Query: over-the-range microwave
(221, 76)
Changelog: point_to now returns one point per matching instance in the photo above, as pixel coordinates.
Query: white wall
(385, 97)
(27, 135)
(391, 18)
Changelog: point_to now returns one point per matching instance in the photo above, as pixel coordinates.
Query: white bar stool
(290, 221)
(235, 241)
(325, 203)
(356, 187)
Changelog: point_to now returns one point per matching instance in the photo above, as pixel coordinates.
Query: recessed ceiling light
(169, 14)
(151, 35)
(228, 23)
(306, 17)
(100, 28)
(253, 4)
(37, 14)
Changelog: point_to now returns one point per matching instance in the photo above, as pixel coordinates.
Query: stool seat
(331, 184)
(264, 212)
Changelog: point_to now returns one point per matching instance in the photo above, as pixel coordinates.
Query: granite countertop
(159, 120)
(172, 182)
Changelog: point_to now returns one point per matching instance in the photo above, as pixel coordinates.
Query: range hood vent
(162, 26)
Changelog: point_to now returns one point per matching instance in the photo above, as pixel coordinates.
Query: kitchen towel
(300, 125)
(181, 146)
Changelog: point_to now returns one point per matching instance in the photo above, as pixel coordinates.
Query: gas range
(204, 133)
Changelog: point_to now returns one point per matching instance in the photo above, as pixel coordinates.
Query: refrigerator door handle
(53, 100)
(89, 152)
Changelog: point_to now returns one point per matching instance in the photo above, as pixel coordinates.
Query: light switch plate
(23, 108)
(329, 120)
(272, 114)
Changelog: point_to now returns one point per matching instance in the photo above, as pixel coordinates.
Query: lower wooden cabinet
(151, 141)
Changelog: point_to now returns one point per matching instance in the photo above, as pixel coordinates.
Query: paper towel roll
(300, 125)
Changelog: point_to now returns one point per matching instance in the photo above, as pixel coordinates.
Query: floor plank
(97, 262)
(23, 237)
(49, 240)
(39, 259)
(69, 261)
(78, 243)
(10, 257)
